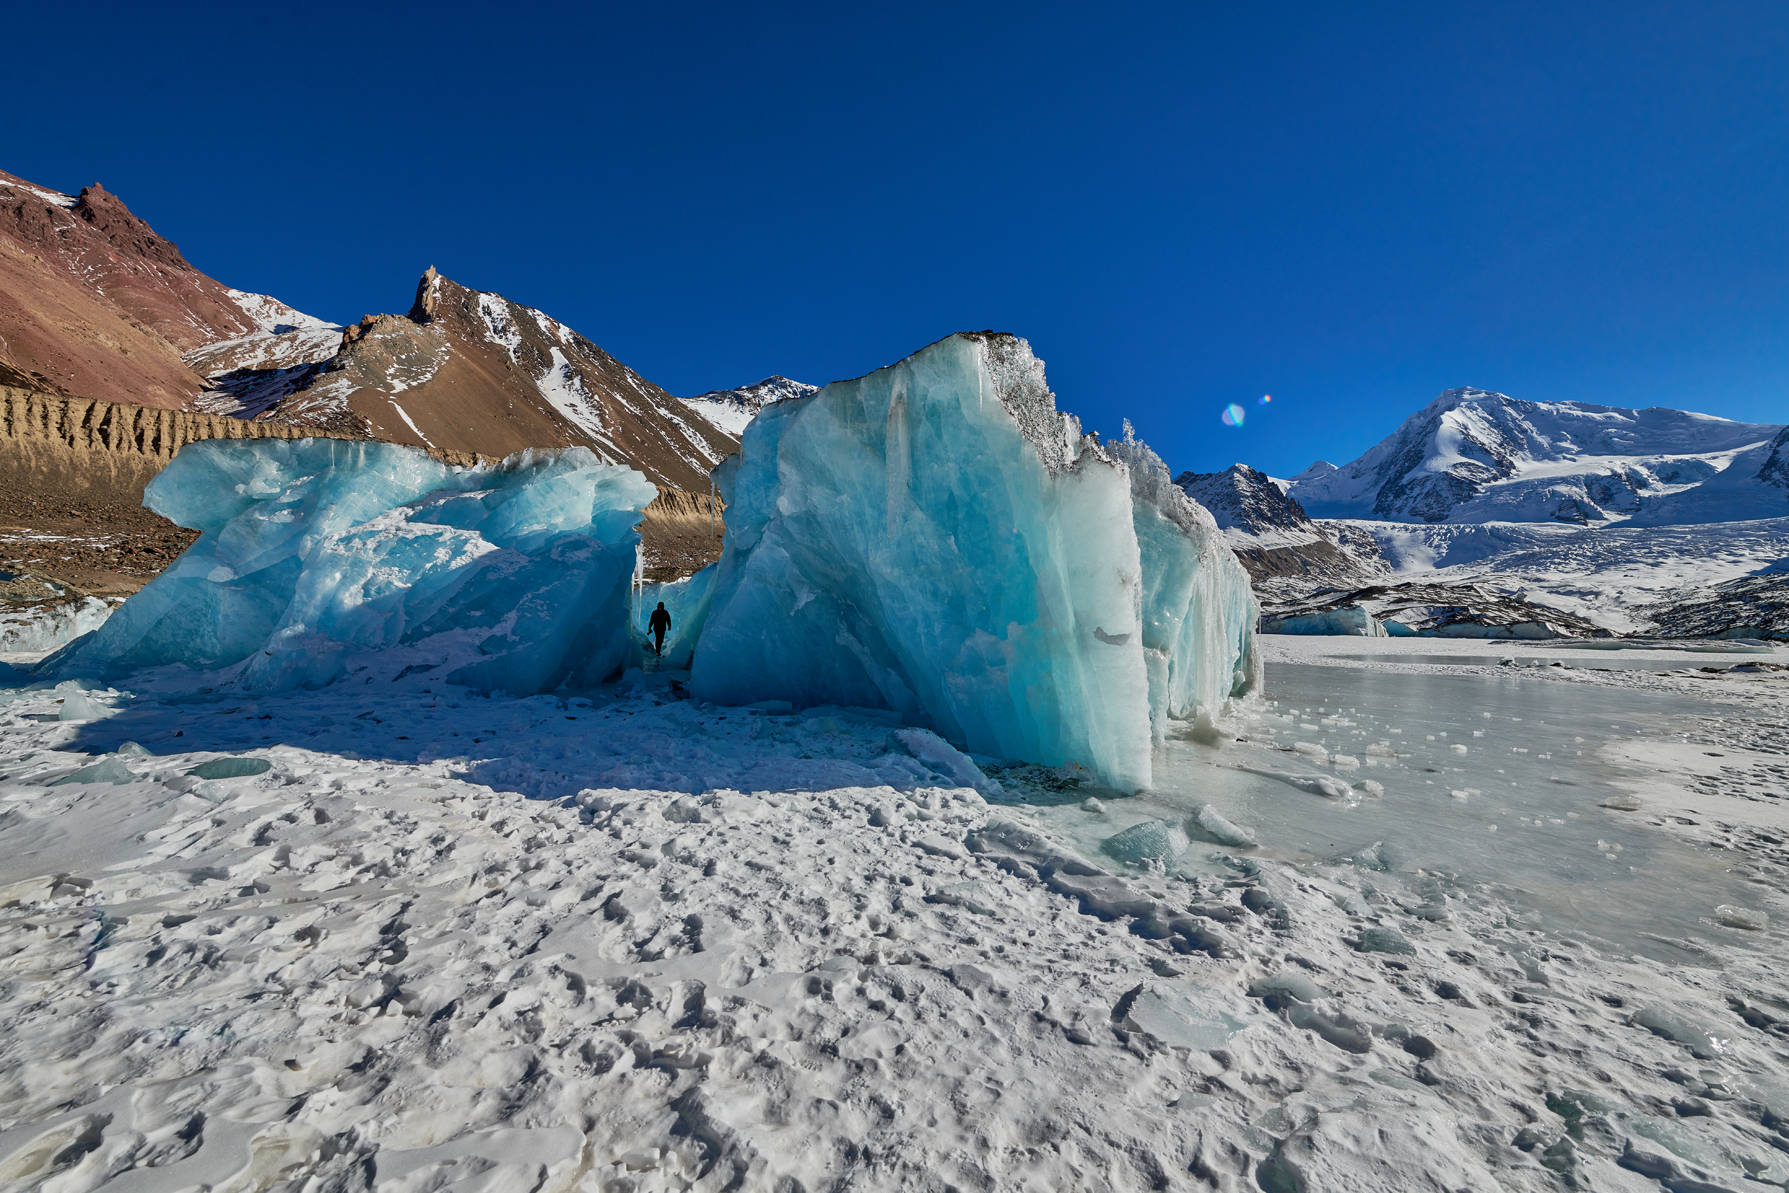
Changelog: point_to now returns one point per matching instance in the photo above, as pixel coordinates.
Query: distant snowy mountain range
(1537, 517)
(1476, 456)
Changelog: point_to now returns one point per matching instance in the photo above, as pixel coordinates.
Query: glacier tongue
(322, 556)
(937, 539)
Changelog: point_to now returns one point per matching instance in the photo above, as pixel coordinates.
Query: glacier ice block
(936, 538)
(322, 556)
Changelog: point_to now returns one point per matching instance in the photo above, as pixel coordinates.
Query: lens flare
(1266, 398)
(1233, 415)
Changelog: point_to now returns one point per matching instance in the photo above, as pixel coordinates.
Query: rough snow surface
(421, 939)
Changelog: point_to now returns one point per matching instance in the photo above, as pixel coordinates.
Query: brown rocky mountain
(467, 370)
(94, 303)
(89, 298)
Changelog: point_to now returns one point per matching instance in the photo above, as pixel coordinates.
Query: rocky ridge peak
(428, 292)
(124, 229)
(1776, 465)
(1242, 498)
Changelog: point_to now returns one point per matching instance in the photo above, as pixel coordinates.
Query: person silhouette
(658, 623)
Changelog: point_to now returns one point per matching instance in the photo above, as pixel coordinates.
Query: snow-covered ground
(399, 936)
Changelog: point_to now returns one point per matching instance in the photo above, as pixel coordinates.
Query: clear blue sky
(1349, 206)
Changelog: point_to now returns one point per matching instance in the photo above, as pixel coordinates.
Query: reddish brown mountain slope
(95, 304)
(95, 241)
(470, 371)
(60, 329)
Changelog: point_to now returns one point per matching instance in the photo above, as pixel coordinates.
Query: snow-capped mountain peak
(1242, 498)
(732, 409)
(1475, 455)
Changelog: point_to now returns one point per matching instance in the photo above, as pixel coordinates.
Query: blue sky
(1350, 207)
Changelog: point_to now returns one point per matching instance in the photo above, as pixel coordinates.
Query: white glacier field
(406, 936)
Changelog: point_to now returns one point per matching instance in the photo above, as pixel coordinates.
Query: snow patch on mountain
(733, 409)
(253, 371)
(54, 197)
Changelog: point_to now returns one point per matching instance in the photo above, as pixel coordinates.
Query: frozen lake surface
(1488, 781)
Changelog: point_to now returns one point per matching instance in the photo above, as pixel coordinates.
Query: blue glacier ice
(938, 539)
(318, 557)
(1199, 610)
(1349, 620)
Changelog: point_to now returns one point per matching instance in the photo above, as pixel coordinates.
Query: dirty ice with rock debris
(322, 866)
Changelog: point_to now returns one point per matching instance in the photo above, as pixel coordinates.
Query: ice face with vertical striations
(1199, 610)
(319, 557)
(938, 539)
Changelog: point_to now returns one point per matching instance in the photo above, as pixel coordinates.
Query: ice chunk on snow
(1383, 940)
(48, 626)
(231, 768)
(316, 552)
(1173, 1018)
(1152, 843)
(946, 759)
(1207, 824)
(937, 539)
(106, 770)
(1328, 786)
(1348, 620)
(78, 706)
(1749, 919)
(1660, 1021)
